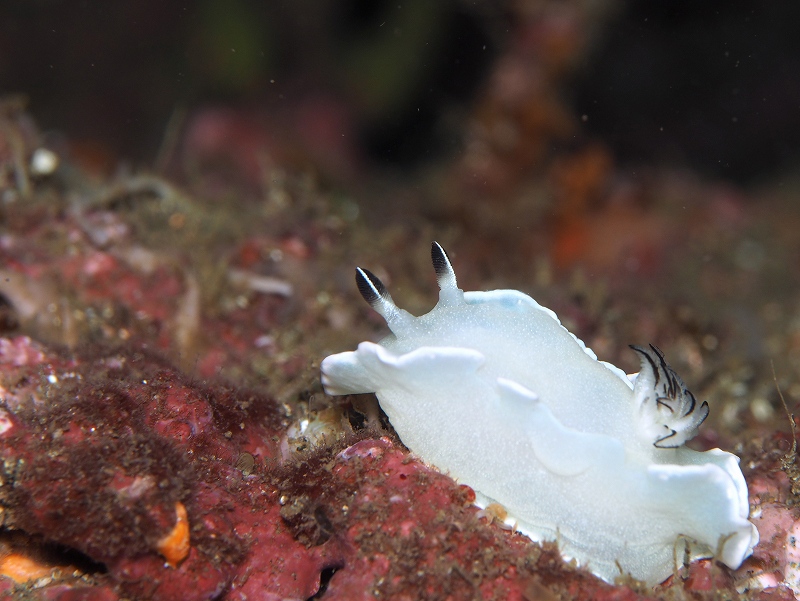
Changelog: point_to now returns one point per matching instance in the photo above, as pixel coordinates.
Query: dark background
(714, 86)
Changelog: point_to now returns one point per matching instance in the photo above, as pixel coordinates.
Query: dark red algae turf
(97, 451)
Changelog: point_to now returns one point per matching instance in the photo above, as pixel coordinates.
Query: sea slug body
(492, 389)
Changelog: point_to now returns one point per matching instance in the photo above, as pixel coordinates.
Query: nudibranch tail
(445, 274)
(669, 413)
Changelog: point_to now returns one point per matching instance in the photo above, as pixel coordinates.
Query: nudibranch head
(492, 389)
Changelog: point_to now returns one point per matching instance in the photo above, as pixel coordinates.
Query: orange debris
(21, 568)
(174, 547)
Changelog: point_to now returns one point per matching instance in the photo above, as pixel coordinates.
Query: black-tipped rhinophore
(378, 297)
(370, 287)
(445, 274)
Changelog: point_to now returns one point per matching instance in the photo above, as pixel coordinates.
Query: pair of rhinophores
(668, 411)
(492, 389)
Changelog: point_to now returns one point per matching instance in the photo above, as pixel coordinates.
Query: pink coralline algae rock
(774, 482)
(409, 532)
(99, 448)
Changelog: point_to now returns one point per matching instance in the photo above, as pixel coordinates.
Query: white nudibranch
(490, 388)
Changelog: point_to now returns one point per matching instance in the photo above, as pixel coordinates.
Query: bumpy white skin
(490, 388)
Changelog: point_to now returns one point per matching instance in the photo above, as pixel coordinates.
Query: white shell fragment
(43, 162)
(492, 389)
